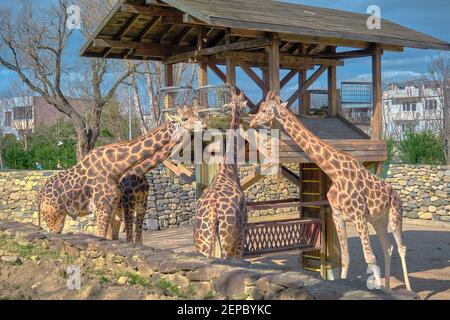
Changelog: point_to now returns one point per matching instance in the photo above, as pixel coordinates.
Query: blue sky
(430, 17)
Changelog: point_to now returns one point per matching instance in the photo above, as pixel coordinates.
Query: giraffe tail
(38, 202)
(214, 245)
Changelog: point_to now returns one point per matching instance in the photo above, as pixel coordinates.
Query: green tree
(421, 148)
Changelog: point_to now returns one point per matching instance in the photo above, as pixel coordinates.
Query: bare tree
(33, 44)
(438, 79)
(149, 80)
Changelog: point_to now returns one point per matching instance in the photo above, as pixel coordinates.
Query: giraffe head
(268, 109)
(187, 118)
(237, 104)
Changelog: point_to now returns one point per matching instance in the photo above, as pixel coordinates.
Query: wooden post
(274, 78)
(332, 89)
(205, 173)
(231, 66)
(303, 103)
(377, 116)
(169, 82)
(274, 64)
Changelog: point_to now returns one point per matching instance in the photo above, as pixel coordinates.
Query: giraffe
(135, 187)
(355, 195)
(93, 185)
(221, 215)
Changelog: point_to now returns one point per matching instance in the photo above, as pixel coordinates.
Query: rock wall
(172, 201)
(425, 190)
(176, 275)
(18, 190)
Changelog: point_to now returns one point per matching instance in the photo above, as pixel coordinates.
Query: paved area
(428, 257)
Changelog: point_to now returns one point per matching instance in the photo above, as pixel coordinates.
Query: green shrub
(421, 148)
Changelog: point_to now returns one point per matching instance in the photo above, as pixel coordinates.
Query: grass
(173, 290)
(26, 251)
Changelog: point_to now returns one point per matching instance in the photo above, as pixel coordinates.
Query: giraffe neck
(318, 150)
(155, 160)
(143, 151)
(230, 161)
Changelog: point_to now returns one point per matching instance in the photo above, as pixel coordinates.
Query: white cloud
(394, 75)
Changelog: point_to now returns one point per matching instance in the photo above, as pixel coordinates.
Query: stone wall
(425, 190)
(171, 203)
(18, 190)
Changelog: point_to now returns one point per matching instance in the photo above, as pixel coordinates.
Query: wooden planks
(283, 17)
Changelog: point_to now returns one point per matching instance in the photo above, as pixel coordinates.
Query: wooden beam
(251, 44)
(332, 88)
(164, 34)
(252, 75)
(289, 175)
(345, 55)
(307, 84)
(183, 35)
(223, 77)
(326, 41)
(311, 48)
(377, 117)
(284, 59)
(151, 10)
(130, 23)
(141, 48)
(149, 28)
(303, 101)
(291, 74)
(169, 82)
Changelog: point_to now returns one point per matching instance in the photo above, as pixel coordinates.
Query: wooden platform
(340, 135)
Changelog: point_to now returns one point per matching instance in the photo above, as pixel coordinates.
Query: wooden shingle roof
(277, 16)
(173, 23)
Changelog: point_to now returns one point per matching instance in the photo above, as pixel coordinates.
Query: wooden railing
(282, 236)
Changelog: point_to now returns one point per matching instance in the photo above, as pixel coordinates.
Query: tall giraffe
(355, 195)
(93, 185)
(135, 187)
(221, 215)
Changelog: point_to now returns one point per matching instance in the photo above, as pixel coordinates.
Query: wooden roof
(171, 26)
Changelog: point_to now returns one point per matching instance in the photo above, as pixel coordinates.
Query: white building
(411, 107)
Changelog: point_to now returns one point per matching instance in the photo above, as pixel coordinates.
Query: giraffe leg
(363, 230)
(381, 228)
(140, 215)
(105, 215)
(128, 218)
(398, 236)
(114, 230)
(341, 230)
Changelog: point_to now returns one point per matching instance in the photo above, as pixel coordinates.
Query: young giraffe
(221, 216)
(355, 195)
(93, 184)
(135, 187)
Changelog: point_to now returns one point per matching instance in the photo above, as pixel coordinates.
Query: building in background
(412, 106)
(22, 115)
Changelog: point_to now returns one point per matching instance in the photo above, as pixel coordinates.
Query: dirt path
(428, 257)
